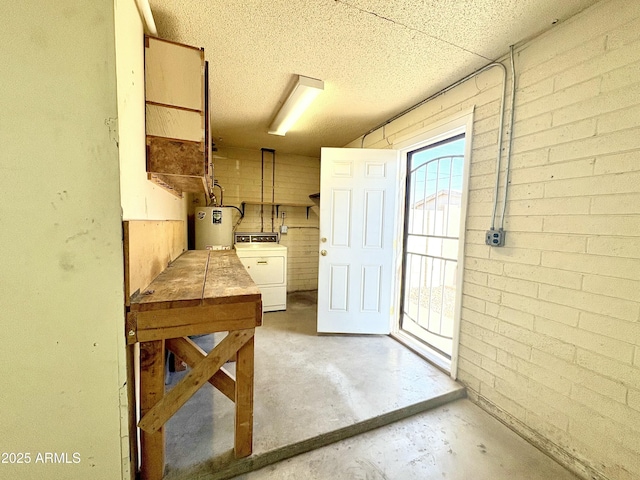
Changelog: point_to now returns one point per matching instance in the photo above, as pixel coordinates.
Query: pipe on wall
(500, 129)
(145, 12)
(508, 155)
(273, 188)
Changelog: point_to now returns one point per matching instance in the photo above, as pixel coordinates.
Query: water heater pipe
(216, 184)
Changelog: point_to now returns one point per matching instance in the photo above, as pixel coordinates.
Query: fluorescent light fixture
(305, 92)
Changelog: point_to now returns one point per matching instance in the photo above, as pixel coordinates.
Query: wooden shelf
(278, 205)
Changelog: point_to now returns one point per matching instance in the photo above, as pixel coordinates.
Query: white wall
(141, 199)
(61, 308)
(550, 328)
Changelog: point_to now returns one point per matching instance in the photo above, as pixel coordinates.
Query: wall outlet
(283, 229)
(495, 238)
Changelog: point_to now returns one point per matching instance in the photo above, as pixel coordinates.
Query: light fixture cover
(302, 95)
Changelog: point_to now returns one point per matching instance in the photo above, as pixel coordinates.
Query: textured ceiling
(376, 57)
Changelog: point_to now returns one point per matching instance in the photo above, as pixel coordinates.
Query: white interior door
(357, 220)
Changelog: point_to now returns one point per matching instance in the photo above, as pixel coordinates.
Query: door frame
(461, 122)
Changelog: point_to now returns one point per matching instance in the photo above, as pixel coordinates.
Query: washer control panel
(263, 237)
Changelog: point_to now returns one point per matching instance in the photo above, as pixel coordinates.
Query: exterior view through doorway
(432, 223)
(436, 174)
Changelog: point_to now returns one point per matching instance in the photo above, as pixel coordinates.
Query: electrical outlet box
(283, 229)
(495, 238)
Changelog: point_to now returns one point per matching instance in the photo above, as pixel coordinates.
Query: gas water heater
(214, 228)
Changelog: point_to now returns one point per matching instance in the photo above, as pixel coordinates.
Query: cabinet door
(169, 122)
(176, 111)
(174, 74)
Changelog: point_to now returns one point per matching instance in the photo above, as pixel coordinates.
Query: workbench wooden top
(198, 277)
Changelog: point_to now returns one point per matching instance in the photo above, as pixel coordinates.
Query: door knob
(323, 253)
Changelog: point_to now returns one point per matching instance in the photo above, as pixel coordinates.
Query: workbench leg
(244, 400)
(151, 391)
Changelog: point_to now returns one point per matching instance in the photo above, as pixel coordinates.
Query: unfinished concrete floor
(363, 407)
(457, 441)
(310, 391)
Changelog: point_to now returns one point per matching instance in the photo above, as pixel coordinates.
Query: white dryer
(266, 261)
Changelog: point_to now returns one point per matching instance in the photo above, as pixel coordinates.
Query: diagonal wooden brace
(190, 353)
(162, 411)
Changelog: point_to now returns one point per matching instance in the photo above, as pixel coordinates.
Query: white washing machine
(266, 261)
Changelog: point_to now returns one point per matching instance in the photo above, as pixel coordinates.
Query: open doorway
(435, 166)
(432, 232)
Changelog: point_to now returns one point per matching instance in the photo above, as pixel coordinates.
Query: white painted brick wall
(550, 328)
(296, 177)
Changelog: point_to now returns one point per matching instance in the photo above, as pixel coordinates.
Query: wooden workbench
(200, 292)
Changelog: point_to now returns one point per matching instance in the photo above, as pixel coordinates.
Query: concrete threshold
(310, 391)
(226, 466)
